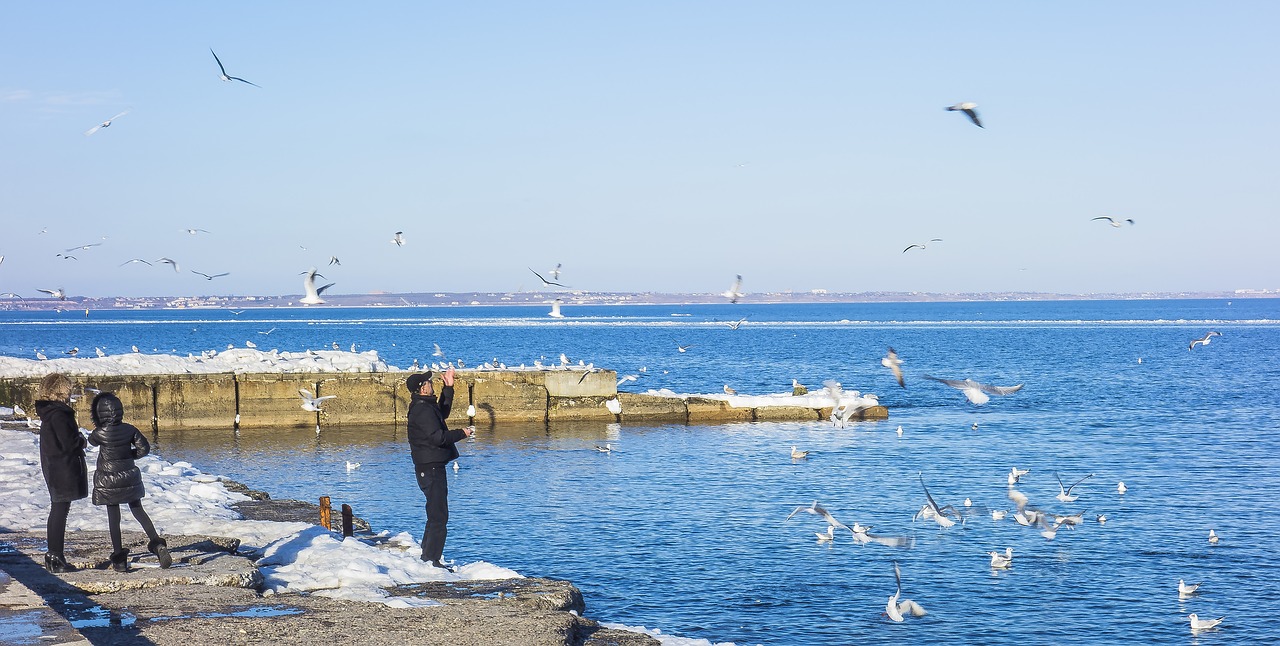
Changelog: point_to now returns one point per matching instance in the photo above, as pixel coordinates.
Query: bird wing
(320, 290)
(933, 505)
(973, 116)
(800, 509)
(219, 61)
(1000, 390)
(959, 384)
(306, 394)
(909, 248)
(237, 78)
(1076, 482)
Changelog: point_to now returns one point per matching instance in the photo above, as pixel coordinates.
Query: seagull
(1213, 538)
(455, 466)
(828, 536)
(99, 352)
(892, 362)
(1187, 589)
(211, 277)
(1198, 624)
(1049, 531)
(729, 391)
(65, 256)
(1102, 519)
(1114, 222)
(921, 245)
(798, 389)
(104, 124)
(975, 392)
(312, 403)
(613, 405)
(999, 514)
(1002, 561)
(938, 513)
(250, 344)
(607, 448)
(555, 309)
(818, 510)
(352, 466)
(129, 262)
(58, 293)
(897, 609)
(862, 534)
(555, 272)
(223, 72)
(625, 378)
(195, 231)
(735, 290)
(733, 325)
(398, 240)
(266, 332)
(797, 454)
(471, 410)
(968, 109)
(169, 261)
(1203, 341)
(73, 351)
(683, 348)
(333, 260)
(1015, 474)
(313, 292)
(41, 356)
(899, 430)
(1120, 488)
(545, 282)
(1064, 494)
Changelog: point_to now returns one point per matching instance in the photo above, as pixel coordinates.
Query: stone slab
(272, 400)
(581, 383)
(498, 398)
(785, 414)
(702, 409)
(195, 401)
(579, 409)
(639, 407)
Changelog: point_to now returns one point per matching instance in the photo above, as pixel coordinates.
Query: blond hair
(55, 387)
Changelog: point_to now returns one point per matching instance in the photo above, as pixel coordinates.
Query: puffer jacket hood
(106, 410)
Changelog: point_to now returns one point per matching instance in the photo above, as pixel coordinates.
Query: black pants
(113, 523)
(56, 529)
(432, 481)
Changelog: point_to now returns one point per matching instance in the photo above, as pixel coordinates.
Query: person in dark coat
(431, 445)
(118, 480)
(61, 460)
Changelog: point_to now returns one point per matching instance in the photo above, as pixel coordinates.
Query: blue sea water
(683, 527)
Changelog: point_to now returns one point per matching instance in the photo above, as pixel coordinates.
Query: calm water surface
(683, 527)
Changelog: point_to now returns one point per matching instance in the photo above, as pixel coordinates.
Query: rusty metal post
(346, 520)
(325, 512)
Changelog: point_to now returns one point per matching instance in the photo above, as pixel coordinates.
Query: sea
(686, 528)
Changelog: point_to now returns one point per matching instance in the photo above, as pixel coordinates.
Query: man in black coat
(431, 444)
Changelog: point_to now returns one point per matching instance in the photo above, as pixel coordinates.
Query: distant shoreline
(581, 298)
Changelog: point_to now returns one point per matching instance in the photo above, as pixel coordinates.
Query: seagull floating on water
(898, 610)
(1002, 561)
(222, 71)
(1213, 538)
(828, 536)
(352, 466)
(976, 392)
(1187, 589)
(1198, 624)
(1204, 340)
(968, 108)
(1120, 488)
(797, 454)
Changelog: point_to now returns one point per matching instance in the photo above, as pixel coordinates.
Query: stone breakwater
(220, 400)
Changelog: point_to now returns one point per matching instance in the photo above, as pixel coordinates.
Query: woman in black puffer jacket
(118, 479)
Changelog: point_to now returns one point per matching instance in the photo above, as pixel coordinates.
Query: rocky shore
(212, 595)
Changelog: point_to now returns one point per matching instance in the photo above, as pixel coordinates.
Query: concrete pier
(271, 400)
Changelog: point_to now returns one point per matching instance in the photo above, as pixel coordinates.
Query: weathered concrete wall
(271, 400)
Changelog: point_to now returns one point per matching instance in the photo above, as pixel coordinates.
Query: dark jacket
(62, 452)
(431, 442)
(117, 480)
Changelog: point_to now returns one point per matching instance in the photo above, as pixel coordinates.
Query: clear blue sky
(646, 146)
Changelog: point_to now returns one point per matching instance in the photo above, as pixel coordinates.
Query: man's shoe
(120, 560)
(161, 549)
(56, 564)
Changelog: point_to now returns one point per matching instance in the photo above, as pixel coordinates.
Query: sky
(656, 146)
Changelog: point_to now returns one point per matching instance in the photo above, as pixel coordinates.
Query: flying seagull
(104, 124)
(939, 514)
(818, 510)
(968, 109)
(58, 293)
(921, 245)
(223, 71)
(333, 260)
(1114, 222)
(169, 261)
(545, 282)
(975, 392)
(1064, 493)
(130, 262)
(555, 273)
(735, 290)
(312, 403)
(1203, 341)
(195, 231)
(897, 609)
(211, 277)
(892, 362)
(313, 292)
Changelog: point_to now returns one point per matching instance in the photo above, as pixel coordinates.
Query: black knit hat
(415, 381)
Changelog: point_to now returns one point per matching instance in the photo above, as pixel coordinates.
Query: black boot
(161, 550)
(120, 560)
(56, 564)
